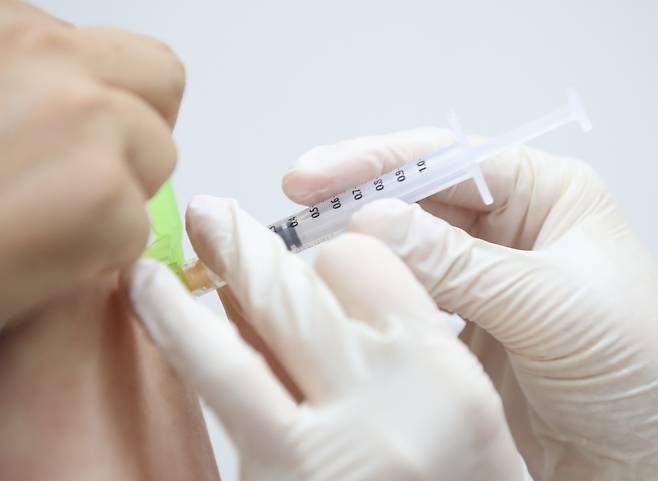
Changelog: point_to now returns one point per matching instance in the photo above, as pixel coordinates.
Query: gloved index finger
(208, 352)
(330, 169)
(383, 291)
(285, 301)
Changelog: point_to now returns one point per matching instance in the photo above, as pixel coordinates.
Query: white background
(268, 80)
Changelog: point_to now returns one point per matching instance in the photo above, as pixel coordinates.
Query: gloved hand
(390, 393)
(550, 270)
(85, 139)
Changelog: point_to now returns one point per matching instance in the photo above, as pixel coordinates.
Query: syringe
(411, 182)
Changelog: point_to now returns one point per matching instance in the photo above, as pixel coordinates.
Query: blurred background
(268, 80)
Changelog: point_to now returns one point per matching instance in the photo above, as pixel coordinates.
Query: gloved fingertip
(305, 187)
(150, 286)
(204, 209)
(141, 276)
(210, 224)
(150, 281)
(455, 323)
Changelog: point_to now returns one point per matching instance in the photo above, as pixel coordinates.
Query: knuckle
(176, 76)
(110, 180)
(117, 204)
(95, 110)
(162, 46)
(166, 165)
(40, 39)
(584, 178)
(80, 100)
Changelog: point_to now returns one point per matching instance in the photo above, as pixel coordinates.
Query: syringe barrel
(419, 179)
(411, 182)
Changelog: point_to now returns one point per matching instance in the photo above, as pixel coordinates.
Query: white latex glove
(391, 394)
(552, 271)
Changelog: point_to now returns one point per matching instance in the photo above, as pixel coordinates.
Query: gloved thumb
(486, 283)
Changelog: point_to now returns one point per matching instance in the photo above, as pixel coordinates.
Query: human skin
(85, 395)
(86, 116)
